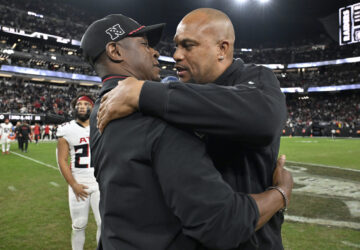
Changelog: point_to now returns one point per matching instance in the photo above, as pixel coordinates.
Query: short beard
(82, 117)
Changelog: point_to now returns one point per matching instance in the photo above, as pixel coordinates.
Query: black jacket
(24, 131)
(241, 116)
(159, 189)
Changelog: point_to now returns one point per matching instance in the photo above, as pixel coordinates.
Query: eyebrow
(142, 38)
(187, 40)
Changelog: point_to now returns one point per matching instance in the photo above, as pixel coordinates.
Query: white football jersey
(78, 138)
(5, 129)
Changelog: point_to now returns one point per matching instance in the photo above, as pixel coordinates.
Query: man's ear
(224, 46)
(113, 52)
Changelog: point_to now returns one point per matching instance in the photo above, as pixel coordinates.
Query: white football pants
(5, 143)
(79, 211)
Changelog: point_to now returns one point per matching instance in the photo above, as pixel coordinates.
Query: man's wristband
(282, 192)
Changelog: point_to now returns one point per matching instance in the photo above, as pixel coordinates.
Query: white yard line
(12, 188)
(321, 137)
(323, 222)
(321, 165)
(31, 159)
(350, 244)
(54, 184)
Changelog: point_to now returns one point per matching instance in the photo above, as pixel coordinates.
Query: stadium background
(41, 70)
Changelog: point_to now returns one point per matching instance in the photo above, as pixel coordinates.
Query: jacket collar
(236, 65)
(109, 82)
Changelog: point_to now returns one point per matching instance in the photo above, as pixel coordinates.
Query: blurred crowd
(64, 59)
(325, 51)
(322, 76)
(66, 21)
(340, 110)
(18, 96)
(58, 18)
(341, 107)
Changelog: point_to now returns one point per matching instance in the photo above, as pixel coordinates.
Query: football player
(36, 132)
(73, 140)
(5, 130)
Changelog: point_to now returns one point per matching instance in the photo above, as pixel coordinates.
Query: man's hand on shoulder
(121, 101)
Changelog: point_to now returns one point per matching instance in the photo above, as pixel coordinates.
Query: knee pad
(79, 224)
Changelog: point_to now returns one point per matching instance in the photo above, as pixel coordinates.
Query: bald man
(237, 109)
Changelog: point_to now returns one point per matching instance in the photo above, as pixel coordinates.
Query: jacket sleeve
(251, 114)
(209, 210)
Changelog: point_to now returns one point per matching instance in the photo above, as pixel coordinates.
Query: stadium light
(5, 75)
(264, 1)
(8, 51)
(58, 81)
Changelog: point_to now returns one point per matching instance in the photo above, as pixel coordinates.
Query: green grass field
(327, 151)
(35, 215)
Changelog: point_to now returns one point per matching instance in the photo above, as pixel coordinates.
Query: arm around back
(249, 113)
(209, 210)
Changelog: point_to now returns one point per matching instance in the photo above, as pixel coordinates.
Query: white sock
(78, 239)
(98, 234)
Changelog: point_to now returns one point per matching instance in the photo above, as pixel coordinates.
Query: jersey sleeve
(62, 130)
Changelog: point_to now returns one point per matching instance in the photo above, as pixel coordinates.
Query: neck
(115, 70)
(224, 66)
(218, 71)
(85, 123)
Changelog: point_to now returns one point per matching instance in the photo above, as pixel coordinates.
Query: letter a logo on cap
(115, 31)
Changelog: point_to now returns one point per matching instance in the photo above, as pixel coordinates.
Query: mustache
(180, 67)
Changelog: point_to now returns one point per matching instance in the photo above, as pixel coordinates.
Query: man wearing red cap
(73, 139)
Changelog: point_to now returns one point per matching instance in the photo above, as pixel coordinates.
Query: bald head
(212, 22)
(204, 45)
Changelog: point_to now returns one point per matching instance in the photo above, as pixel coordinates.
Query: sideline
(321, 137)
(292, 218)
(323, 222)
(350, 244)
(31, 159)
(322, 165)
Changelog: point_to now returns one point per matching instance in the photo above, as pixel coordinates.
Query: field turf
(35, 214)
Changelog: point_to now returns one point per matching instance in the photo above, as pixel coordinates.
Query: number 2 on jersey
(84, 153)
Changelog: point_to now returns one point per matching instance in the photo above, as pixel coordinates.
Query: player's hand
(282, 177)
(79, 190)
(121, 101)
